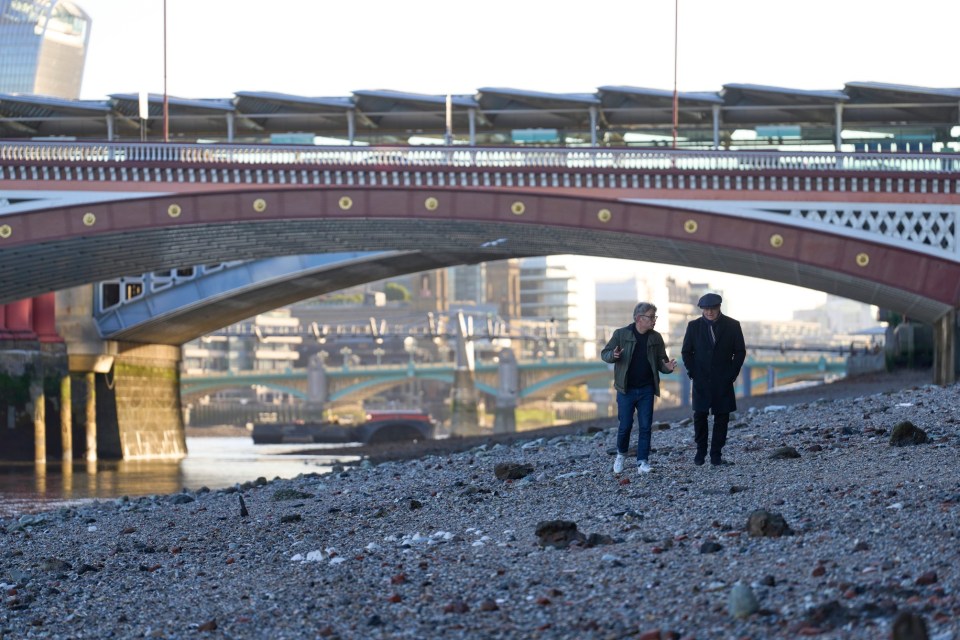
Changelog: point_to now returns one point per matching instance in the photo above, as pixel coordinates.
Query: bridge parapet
(129, 153)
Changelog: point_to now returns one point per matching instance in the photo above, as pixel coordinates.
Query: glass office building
(43, 46)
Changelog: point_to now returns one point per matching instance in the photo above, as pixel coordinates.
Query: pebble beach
(833, 521)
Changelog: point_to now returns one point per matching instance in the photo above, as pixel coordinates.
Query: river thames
(214, 463)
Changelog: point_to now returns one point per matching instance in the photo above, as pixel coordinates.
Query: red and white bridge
(879, 228)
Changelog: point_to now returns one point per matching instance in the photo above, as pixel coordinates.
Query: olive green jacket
(656, 356)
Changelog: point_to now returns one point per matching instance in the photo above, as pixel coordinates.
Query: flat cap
(710, 300)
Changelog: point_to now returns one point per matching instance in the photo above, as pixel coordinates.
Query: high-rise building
(43, 47)
(553, 294)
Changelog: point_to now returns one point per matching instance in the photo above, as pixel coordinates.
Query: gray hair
(642, 308)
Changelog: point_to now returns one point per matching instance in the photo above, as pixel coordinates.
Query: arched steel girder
(59, 248)
(163, 318)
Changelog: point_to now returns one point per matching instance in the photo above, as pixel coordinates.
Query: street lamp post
(346, 352)
(378, 352)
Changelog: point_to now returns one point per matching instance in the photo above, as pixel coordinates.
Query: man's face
(711, 313)
(645, 321)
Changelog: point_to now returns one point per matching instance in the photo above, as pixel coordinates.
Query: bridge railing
(133, 153)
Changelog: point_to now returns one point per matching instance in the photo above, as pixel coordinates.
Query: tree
(395, 292)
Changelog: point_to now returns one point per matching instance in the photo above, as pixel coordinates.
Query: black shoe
(719, 462)
(699, 459)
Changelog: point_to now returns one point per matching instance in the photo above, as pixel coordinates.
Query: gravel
(843, 541)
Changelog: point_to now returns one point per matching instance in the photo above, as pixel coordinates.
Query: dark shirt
(639, 374)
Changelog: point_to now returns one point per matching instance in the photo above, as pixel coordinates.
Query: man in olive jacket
(713, 352)
(639, 356)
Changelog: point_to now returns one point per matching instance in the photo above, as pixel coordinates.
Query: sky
(215, 48)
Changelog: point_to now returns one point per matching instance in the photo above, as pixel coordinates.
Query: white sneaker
(643, 467)
(618, 463)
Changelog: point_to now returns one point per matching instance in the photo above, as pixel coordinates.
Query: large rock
(909, 626)
(512, 470)
(558, 534)
(906, 433)
(742, 601)
(762, 523)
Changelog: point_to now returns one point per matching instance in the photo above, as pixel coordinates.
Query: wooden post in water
(91, 417)
(66, 419)
(39, 424)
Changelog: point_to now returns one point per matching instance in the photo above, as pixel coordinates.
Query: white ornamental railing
(266, 156)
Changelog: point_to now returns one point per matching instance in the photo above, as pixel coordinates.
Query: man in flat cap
(713, 351)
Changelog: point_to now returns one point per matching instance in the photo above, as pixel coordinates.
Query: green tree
(395, 292)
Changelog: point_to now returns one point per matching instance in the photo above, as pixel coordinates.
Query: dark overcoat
(714, 367)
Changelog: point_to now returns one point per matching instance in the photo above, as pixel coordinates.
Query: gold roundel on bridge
(690, 226)
(89, 219)
(5, 231)
(776, 241)
(346, 202)
(863, 259)
(174, 211)
(431, 204)
(517, 208)
(259, 205)
(604, 215)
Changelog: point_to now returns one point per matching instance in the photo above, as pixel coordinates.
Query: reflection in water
(214, 463)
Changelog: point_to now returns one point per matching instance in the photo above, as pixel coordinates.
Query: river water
(214, 463)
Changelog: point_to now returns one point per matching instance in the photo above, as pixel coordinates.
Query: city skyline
(218, 47)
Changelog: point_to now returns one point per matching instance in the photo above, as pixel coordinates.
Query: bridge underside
(58, 250)
(160, 319)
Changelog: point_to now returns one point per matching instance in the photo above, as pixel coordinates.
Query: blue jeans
(639, 401)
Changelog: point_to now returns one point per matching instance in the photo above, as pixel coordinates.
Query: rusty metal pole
(166, 102)
(676, 102)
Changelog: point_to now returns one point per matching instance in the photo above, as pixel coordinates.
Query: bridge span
(880, 228)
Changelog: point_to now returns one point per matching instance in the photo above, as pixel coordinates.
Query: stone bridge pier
(126, 396)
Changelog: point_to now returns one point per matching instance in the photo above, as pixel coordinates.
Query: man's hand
(616, 352)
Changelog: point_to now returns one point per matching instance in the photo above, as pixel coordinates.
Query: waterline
(214, 463)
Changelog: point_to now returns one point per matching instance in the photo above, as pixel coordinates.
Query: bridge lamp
(378, 352)
(346, 352)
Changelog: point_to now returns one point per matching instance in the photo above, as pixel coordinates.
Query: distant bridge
(539, 379)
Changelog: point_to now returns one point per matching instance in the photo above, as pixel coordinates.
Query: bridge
(538, 379)
(880, 228)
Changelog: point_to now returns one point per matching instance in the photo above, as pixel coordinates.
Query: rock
(909, 626)
(54, 564)
(906, 433)
(829, 615)
(489, 605)
(182, 498)
(710, 547)
(597, 539)
(512, 470)
(243, 507)
(457, 606)
(558, 534)
(292, 517)
(927, 578)
(762, 523)
(784, 453)
(290, 494)
(742, 601)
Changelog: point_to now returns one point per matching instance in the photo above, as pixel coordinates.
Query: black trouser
(700, 432)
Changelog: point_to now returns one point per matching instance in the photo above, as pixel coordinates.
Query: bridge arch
(60, 250)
